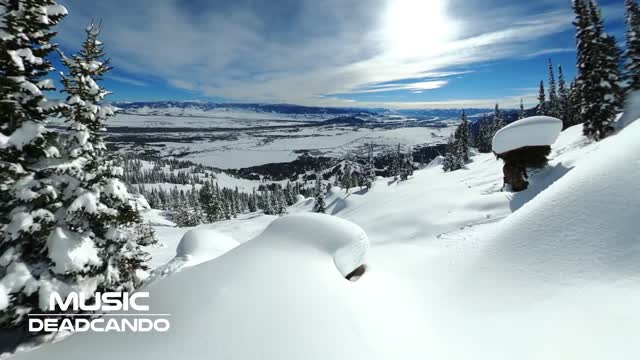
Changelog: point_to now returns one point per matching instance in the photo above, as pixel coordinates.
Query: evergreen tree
(552, 106)
(369, 175)
(347, 181)
(319, 205)
(542, 99)
(97, 205)
(485, 136)
(210, 203)
(522, 114)
(407, 166)
(463, 136)
(598, 76)
(632, 64)
(453, 159)
(498, 123)
(563, 100)
(28, 198)
(290, 197)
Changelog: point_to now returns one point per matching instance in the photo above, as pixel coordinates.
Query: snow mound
(345, 241)
(631, 110)
(300, 198)
(438, 161)
(200, 245)
(273, 297)
(532, 131)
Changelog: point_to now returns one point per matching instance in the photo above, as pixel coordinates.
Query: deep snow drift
(532, 131)
(456, 270)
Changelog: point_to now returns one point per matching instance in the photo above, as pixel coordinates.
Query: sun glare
(417, 27)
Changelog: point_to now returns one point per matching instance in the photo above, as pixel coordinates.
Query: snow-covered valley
(237, 139)
(456, 269)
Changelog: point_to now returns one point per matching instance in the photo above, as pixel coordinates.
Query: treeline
(210, 203)
(606, 75)
(463, 139)
(163, 170)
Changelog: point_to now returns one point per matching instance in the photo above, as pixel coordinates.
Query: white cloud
(301, 51)
(127, 80)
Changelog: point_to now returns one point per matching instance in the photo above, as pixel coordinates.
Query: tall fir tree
(28, 198)
(632, 54)
(369, 175)
(598, 78)
(563, 100)
(552, 95)
(522, 114)
(498, 123)
(318, 193)
(484, 137)
(97, 206)
(542, 100)
(463, 136)
(453, 159)
(209, 202)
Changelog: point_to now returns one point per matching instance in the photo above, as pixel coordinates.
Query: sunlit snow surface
(456, 270)
(532, 131)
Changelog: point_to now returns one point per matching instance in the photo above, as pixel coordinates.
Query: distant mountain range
(185, 108)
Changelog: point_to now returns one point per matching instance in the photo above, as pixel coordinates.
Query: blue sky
(374, 53)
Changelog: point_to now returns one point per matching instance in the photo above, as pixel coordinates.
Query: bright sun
(417, 27)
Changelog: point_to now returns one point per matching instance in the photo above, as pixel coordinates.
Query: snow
(631, 112)
(71, 252)
(532, 131)
(456, 270)
(24, 135)
(200, 245)
(345, 241)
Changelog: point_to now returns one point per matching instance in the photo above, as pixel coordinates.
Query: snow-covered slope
(456, 270)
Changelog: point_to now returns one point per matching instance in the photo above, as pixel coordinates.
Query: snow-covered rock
(300, 198)
(532, 131)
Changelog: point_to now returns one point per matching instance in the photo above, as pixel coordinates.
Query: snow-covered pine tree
(598, 73)
(253, 201)
(522, 114)
(318, 193)
(280, 206)
(563, 99)
(369, 168)
(407, 165)
(542, 100)
(97, 208)
(552, 106)
(463, 136)
(484, 137)
(290, 197)
(346, 180)
(28, 199)
(632, 55)
(453, 159)
(268, 205)
(209, 202)
(498, 123)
